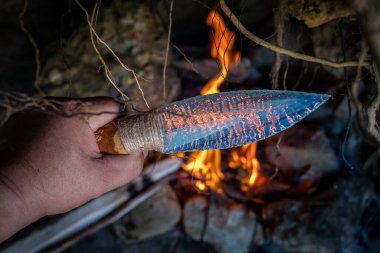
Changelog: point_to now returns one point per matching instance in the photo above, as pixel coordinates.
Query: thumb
(118, 170)
(102, 110)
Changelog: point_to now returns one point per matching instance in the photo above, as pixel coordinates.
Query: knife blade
(215, 121)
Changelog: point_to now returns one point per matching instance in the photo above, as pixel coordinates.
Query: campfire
(206, 166)
(311, 188)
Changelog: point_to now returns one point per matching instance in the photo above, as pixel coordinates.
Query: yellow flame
(222, 42)
(244, 157)
(205, 166)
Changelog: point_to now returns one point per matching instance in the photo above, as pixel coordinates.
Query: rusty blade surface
(231, 119)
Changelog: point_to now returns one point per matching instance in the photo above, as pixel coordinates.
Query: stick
(284, 51)
(167, 51)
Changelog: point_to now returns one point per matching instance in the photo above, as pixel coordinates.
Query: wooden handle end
(109, 140)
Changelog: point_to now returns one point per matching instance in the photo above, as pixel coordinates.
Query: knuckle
(71, 106)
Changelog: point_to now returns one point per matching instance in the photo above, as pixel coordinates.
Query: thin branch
(11, 103)
(167, 50)
(358, 77)
(278, 154)
(107, 71)
(279, 21)
(112, 52)
(186, 58)
(281, 50)
(373, 126)
(33, 43)
(367, 116)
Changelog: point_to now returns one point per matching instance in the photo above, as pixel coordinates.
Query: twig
(285, 74)
(349, 106)
(279, 20)
(18, 102)
(107, 71)
(167, 50)
(112, 52)
(186, 59)
(281, 50)
(358, 77)
(278, 154)
(367, 116)
(33, 43)
(373, 127)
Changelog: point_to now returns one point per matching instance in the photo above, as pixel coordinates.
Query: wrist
(15, 212)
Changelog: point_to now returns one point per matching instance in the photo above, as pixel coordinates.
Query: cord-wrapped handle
(131, 134)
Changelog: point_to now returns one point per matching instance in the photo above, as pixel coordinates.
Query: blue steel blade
(231, 119)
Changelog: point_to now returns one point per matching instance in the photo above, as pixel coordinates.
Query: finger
(98, 111)
(102, 110)
(117, 170)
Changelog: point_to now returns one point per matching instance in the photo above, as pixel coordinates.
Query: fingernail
(145, 152)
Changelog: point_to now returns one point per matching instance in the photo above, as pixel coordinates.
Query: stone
(325, 223)
(136, 35)
(229, 228)
(317, 12)
(300, 148)
(155, 216)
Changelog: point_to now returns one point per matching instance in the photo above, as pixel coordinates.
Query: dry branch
(167, 50)
(369, 11)
(281, 50)
(33, 43)
(109, 49)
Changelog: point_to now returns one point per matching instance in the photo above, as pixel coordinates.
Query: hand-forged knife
(216, 121)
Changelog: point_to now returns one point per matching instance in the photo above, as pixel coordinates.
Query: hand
(53, 163)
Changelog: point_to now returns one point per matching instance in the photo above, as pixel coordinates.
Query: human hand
(52, 163)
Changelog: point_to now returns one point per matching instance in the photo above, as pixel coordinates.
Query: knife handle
(109, 139)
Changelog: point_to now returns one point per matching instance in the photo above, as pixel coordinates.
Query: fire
(245, 157)
(206, 168)
(222, 42)
(206, 165)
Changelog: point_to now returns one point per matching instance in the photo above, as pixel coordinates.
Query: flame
(206, 165)
(222, 42)
(206, 168)
(245, 158)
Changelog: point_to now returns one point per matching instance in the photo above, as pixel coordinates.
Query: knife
(215, 121)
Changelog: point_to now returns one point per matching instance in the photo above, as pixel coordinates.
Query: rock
(300, 148)
(152, 86)
(134, 32)
(327, 44)
(229, 228)
(327, 223)
(155, 216)
(208, 68)
(317, 12)
(368, 11)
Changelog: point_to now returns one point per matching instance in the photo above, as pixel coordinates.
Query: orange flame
(222, 42)
(206, 165)
(245, 158)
